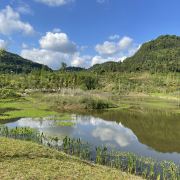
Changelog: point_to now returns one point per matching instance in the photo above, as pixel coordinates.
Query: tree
(63, 66)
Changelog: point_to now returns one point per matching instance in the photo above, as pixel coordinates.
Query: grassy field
(27, 160)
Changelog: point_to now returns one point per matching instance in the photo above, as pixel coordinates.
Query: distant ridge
(159, 55)
(10, 63)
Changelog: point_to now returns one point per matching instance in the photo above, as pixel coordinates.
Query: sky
(83, 32)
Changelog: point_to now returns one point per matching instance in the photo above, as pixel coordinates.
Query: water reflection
(107, 132)
(33, 123)
(135, 132)
(159, 130)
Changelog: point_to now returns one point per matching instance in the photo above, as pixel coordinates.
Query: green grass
(27, 160)
(29, 107)
(47, 105)
(148, 102)
(25, 108)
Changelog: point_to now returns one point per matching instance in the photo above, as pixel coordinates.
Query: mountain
(10, 62)
(162, 54)
(159, 55)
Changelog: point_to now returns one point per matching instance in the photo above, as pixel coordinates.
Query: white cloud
(125, 43)
(110, 132)
(107, 48)
(117, 49)
(54, 49)
(57, 42)
(47, 57)
(113, 47)
(54, 2)
(54, 59)
(10, 22)
(3, 44)
(78, 60)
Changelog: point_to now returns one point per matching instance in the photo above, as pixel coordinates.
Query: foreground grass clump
(27, 160)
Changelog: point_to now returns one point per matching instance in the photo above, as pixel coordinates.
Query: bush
(8, 93)
(91, 103)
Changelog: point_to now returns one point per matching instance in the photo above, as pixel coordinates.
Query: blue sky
(83, 32)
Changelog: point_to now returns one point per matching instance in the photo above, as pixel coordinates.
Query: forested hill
(159, 55)
(10, 62)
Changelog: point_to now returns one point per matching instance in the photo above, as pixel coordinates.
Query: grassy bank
(39, 105)
(27, 160)
(123, 161)
(12, 108)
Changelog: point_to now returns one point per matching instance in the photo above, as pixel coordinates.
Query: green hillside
(159, 55)
(10, 62)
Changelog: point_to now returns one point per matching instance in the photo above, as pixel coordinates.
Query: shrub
(91, 103)
(8, 93)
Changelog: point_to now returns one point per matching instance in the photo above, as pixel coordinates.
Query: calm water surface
(151, 133)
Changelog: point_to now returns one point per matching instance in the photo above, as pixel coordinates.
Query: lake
(145, 131)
